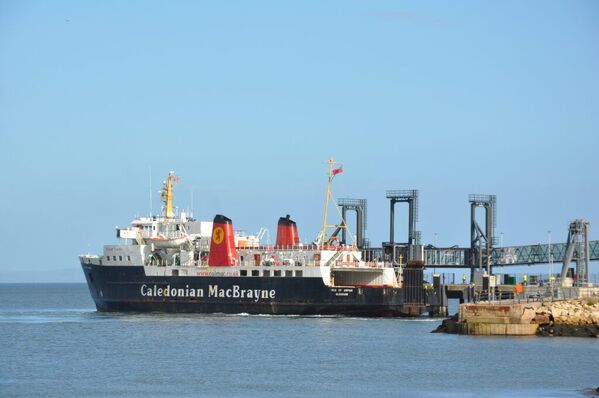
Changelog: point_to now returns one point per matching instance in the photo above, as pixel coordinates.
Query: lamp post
(502, 257)
(550, 255)
(435, 245)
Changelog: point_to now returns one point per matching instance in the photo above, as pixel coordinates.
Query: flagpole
(323, 231)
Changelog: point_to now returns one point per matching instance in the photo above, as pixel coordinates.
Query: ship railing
(306, 263)
(142, 235)
(297, 247)
(369, 264)
(346, 264)
(252, 263)
(377, 264)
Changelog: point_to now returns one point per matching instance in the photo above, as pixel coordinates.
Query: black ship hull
(128, 289)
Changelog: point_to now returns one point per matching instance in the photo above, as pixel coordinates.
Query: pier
(481, 259)
(573, 317)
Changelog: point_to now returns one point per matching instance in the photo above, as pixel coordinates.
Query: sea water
(53, 343)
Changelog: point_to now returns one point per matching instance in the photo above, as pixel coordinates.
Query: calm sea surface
(53, 343)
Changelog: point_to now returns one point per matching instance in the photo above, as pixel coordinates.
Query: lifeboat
(164, 242)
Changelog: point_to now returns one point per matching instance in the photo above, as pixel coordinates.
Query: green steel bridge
(456, 257)
(483, 252)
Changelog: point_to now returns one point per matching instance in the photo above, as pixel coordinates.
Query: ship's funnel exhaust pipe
(222, 245)
(287, 232)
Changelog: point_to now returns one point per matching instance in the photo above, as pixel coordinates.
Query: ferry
(175, 263)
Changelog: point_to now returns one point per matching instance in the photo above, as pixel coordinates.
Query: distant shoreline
(42, 283)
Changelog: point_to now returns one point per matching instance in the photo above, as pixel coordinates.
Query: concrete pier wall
(575, 317)
(504, 319)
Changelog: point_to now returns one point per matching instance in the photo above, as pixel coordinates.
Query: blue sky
(247, 100)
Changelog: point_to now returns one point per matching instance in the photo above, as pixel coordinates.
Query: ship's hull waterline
(128, 289)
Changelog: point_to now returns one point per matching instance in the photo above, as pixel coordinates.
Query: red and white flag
(334, 172)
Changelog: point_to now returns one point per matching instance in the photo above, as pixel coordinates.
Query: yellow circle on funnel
(218, 235)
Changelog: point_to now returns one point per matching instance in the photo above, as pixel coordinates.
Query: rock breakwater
(574, 317)
(578, 318)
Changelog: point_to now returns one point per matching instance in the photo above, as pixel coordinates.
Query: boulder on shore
(573, 318)
(568, 330)
(449, 325)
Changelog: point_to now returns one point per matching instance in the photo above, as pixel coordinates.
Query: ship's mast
(167, 194)
(325, 226)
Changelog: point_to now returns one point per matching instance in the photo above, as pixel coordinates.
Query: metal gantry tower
(360, 206)
(411, 198)
(401, 253)
(481, 241)
(577, 248)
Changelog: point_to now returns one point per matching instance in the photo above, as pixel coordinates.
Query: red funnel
(222, 246)
(287, 232)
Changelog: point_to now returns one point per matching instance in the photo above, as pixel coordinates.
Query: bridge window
(255, 272)
(289, 274)
(243, 272)
(299, 273)
(277, 272)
